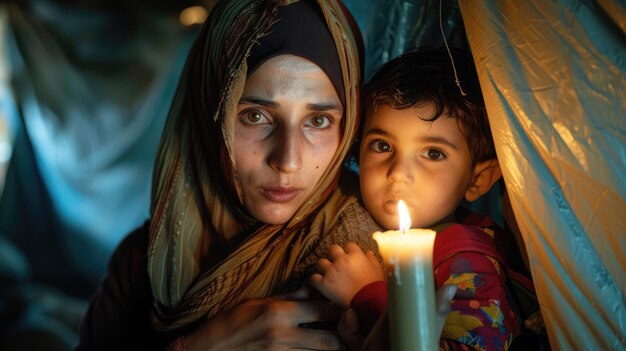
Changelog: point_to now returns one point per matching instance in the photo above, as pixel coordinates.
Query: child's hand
(345, 273)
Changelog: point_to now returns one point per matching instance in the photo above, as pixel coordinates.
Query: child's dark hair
(427, 76)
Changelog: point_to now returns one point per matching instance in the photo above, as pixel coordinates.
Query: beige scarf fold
(196, 203)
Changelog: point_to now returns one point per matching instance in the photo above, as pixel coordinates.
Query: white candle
(408, 256)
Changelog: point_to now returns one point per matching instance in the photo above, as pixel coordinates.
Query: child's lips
(390, 207)
(390, 204)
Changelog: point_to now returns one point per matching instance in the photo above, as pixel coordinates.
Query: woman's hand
(269, 324)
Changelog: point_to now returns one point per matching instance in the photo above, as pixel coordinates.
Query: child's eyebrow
(439, 140)
(378, 131)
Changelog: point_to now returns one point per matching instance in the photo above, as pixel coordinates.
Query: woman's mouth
(280, 194)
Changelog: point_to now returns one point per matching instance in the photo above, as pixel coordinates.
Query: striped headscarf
(195, 271)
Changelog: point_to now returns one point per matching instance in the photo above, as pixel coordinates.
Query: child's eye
(319, 122)
(380, 146)
(433, 154)
(254, 117)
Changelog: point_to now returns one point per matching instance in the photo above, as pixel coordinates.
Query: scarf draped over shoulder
(196, 269)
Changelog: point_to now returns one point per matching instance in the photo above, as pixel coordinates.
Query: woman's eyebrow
(325, 106)
(258, 101)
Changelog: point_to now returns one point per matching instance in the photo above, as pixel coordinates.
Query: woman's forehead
(289, 76)
(289, 62)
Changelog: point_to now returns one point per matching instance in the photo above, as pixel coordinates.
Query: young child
(426, 140)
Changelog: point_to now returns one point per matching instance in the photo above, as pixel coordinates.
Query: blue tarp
(86, 95)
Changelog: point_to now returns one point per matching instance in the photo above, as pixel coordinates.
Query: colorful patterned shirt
(481, 317)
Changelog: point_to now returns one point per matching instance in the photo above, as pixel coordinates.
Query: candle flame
(404, 217)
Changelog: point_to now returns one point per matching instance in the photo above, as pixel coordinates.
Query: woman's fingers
(282, 338)
(291, 324)
(293, 312)
(299, 295)
(314, 339)
(269, 324)
(315, 311)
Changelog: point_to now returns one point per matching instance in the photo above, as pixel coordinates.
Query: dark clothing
(119, 314)
(118, 317)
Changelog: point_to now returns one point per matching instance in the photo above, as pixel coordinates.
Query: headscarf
(293, 23)
(195, 270)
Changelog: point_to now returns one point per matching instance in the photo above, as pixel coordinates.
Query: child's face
(426, 164)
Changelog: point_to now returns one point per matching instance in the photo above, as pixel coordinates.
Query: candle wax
(408, 259)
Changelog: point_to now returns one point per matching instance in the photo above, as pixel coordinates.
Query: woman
(245, 197)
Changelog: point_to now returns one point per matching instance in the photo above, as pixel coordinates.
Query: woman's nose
(401, 170)
(286, 155)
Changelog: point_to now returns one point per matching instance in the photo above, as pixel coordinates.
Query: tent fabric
(553, 74)
(553, 77)
(391, 27)
(90, 94)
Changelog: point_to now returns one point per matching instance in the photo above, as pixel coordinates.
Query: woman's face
(287, 129)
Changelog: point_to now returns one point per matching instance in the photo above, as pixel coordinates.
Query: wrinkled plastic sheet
(89, 95)
(553, 74)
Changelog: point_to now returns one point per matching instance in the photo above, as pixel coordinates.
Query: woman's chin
(275, 215)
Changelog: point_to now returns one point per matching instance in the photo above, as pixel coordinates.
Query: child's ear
(486, 174)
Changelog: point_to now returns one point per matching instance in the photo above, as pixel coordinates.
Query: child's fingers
(316, 280)
(372, 257)
(444, 296)
(335, 251)
(351, 248)
(443, 299)
(322, 265)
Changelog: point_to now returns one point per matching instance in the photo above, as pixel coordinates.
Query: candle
(408, 256)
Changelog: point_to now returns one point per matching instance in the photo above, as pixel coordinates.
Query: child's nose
(401, 170)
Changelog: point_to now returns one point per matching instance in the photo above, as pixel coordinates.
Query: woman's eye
(254, 117)
(380, 146)
(434, 154)
(320, 122)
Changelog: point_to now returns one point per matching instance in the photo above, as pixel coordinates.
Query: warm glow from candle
(193, 15)
(404, 217)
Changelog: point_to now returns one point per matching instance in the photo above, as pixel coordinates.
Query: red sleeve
(118, 316)
(481, 317)
(370, 303)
